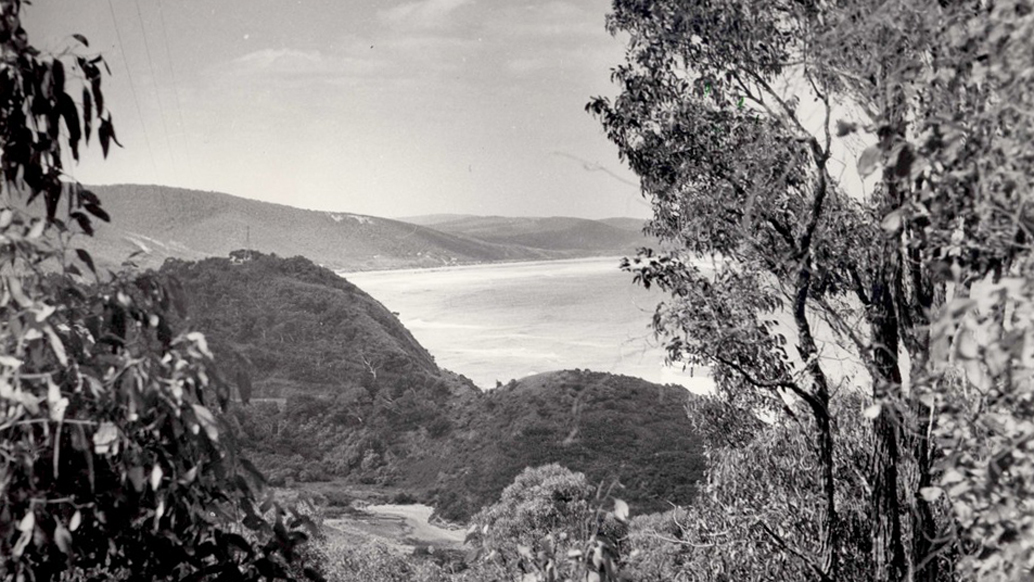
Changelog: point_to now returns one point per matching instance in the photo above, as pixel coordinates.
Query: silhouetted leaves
(85, 257)
(106, 134)
(71, 116)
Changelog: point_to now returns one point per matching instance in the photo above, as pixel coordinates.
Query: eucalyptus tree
(114, 463)
(732, 114)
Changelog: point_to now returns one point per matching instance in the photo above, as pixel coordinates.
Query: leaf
(37, 229)
(97, 211)
(56, 345)
(207, 421)
(77, 518)
(105, 436)
(156, 477)
(105, 133)
(952, 476)
(136, 478)
(928, 400)
(904, 161)
(267, 504)
(88, 197)
(872, 412)
(27, 522)
(87, 259)
(845, 127)
(930, 494)
(56, 403)
(95, 87)
(189, 476)
(892, 222)
(23, 542)
(164, 332)
(83, 221)
(869, 161)
(57, 73)
(81, 39)
(71, 116)
(202, 344)
(244, 385)
(621, 510)
(254, 522)
(63, 539)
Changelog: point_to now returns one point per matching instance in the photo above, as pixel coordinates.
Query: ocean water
(493, 323)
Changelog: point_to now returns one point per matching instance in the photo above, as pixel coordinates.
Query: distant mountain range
(558, 234)
(159, 222)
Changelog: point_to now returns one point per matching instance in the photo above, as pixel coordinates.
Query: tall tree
(113, 463)
(710, 116)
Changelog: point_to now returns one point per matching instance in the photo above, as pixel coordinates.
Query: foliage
(612, 428)
(762, 496)
(540, 501)
(112, 463)
(297, 327)
(350, 562)
(974, 150)
(894, 276)
(548, 523)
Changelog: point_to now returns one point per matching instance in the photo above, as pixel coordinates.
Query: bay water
(497, 322)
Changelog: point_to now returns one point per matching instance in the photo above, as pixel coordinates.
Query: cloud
(283, 58)
(422, 14)
(557, 19)
(294, 63)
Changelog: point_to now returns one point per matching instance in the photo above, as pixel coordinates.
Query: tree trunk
(924, 528)
(889, 561)
(918, 299)
(828, 559)
(827, 533)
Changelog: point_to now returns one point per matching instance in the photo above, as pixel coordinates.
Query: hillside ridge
(158, 222)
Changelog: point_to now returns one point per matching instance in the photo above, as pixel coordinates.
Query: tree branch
(810, 562)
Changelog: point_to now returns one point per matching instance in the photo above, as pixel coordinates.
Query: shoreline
(466, 266)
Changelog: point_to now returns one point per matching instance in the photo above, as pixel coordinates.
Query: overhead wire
(175, 87)
(157, 90)
(132, 90)
(135, 98)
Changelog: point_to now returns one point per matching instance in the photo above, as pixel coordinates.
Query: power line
(157, 90)
(132, 89)
(175, 86)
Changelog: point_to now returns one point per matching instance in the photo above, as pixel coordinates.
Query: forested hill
(162, 222)
(298, 328)
(359, 399)
(615, 429)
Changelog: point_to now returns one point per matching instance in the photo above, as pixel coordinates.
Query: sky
(389, 108)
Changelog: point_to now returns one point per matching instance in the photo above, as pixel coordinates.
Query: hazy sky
(390, 108)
